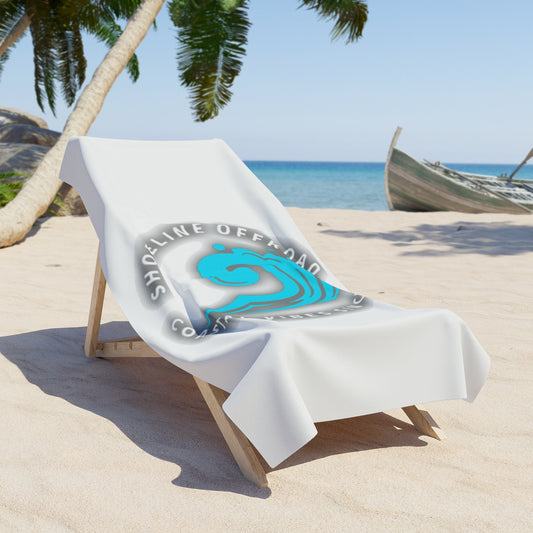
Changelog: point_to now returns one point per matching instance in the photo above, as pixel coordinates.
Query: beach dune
(129, 445)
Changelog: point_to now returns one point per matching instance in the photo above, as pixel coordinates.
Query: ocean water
(344, 185)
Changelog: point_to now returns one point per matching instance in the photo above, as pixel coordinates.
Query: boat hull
(413, 186)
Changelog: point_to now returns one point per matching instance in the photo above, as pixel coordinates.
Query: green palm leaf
(10, 13)
(3, 58)
(43, 34)
(71, 63)
(212, 35)
(99, 19)
(108, 32)
(350, 16)
(55, 28)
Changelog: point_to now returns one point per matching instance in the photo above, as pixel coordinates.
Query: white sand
(95, 445)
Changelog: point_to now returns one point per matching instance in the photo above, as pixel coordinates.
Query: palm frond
(100, 20)
(212, 35)
(71, 62)
(123, 9)
(87, 14)
(350, 16)
(10, 13)
(44, 56)
(108, 31)
(58, 53)
(3, 58)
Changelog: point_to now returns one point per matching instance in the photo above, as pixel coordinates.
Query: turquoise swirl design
(239, 267)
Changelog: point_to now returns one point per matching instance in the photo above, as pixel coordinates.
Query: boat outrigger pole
(528, 157)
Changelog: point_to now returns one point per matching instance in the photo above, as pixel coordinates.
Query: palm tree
(212, 37)
(55, 28)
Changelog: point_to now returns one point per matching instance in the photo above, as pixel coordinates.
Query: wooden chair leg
(424, 422)
(239, 445)
(95, 311)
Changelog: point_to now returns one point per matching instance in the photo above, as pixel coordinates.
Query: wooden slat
(132, 347)
(424, 422)
(239, 445)
(95, 311)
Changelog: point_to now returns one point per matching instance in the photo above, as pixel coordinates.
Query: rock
(67, 202)
(9, 115)
(28, 134)
(24, 141)
(21, 157)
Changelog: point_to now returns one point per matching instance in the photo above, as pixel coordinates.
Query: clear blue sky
(457, 75)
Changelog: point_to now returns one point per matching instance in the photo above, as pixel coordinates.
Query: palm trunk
(16, 32)
(18, 216)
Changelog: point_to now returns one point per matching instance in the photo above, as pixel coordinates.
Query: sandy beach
(129, 445)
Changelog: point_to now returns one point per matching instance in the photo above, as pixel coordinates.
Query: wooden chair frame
(240, 447)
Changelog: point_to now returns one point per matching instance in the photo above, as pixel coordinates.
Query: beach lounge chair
(214, 276)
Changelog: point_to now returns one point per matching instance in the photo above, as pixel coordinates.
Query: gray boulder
(25, 158)
(24, 141)
(21, 157)
(9, 115)
(67, 202)
(28, 134)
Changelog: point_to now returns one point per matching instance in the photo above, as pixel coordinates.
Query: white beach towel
(215, 276)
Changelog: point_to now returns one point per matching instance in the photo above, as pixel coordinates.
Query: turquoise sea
(344, 185)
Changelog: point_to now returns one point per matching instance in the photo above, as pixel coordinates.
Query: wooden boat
(414, 186)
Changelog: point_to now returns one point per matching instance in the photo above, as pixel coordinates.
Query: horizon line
(245, 160)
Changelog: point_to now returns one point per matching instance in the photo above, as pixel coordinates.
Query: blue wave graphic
(239, 268)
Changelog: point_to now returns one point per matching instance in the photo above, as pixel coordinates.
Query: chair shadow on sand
(160, 409)
(487, 238)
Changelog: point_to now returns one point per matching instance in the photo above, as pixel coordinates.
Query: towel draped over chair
(214, 275)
